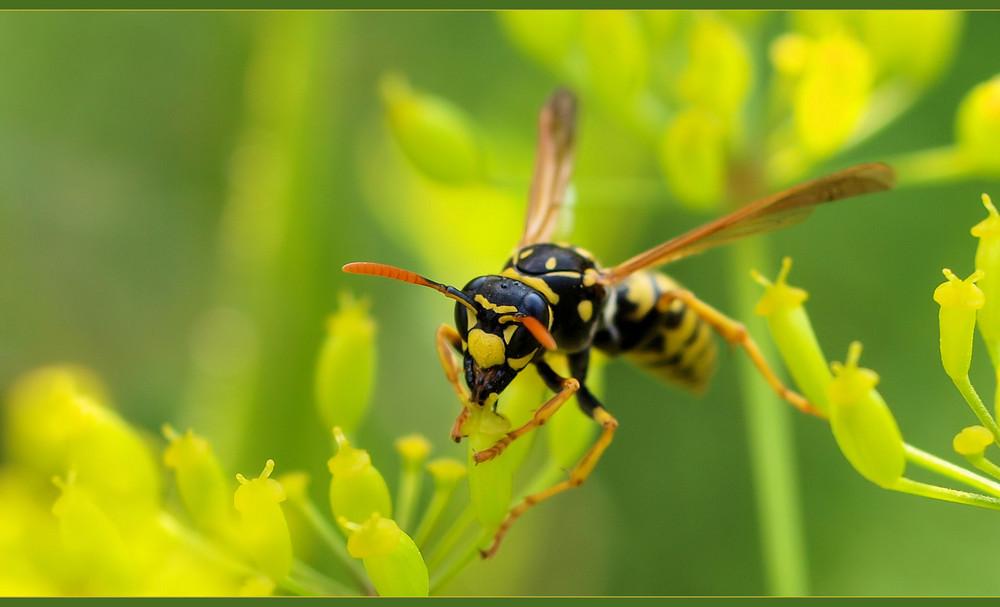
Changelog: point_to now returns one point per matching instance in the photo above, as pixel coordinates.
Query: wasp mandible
(556, 298)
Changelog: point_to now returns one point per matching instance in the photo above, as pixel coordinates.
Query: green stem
(444, 547)
(335, 541)
(406, 496)
(906, 485)
(440, 499)
(772, 457)
(984, 465)
(306, 581)
(471, 552)
(972, 397)
(949, 470)
(935, 165)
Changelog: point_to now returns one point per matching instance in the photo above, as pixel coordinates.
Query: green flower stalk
(781, 306)
(413, 451)
(862, 424)
(264, 529)
(391, 558)
(345, 370)
(357, 489)
(446, 473)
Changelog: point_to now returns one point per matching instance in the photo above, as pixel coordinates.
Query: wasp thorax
(497, 345)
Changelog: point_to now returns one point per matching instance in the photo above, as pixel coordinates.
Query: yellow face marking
(487, 349)
(519, 363)
(481, 300)
(470, 319)
(585, 310)
(509, 332)
(550, 263)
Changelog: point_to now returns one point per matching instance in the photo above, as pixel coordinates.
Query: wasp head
(501, 333)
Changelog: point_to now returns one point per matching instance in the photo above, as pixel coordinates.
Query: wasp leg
(736, 334)
(577, 476)
(564, 389)
(448, 336)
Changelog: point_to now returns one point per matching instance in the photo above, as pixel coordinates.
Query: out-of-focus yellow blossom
(436, 136)
(978, 128)
(200, 480)
(693, 155)
(988, 260)
(345, 368)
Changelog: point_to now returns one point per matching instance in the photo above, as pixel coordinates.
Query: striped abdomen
(674, 343)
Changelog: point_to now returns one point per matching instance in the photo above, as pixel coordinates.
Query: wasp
(556, 298)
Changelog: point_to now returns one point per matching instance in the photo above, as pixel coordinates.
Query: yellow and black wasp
(556, 298)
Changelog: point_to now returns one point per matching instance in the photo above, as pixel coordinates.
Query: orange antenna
(380, 269)
(538, 331)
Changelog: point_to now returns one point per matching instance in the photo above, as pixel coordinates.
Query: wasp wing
(553, 166)
(780, 210)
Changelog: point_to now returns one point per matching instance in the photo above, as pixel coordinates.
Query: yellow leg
(736, 334)
(576, 477)
(542, 415)
(448, 342)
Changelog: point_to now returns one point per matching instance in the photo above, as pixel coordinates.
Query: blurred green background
(179, 190)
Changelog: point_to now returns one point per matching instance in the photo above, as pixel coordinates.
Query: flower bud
(781, 305)
(491, 482)
(264, 528)
(345, 370)
(959, 300)
(200, 480)
(988, 260)
(978, 127)
(972, 441)
(357, 489)
(862, 424)
(435, 135)
(391, 558)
